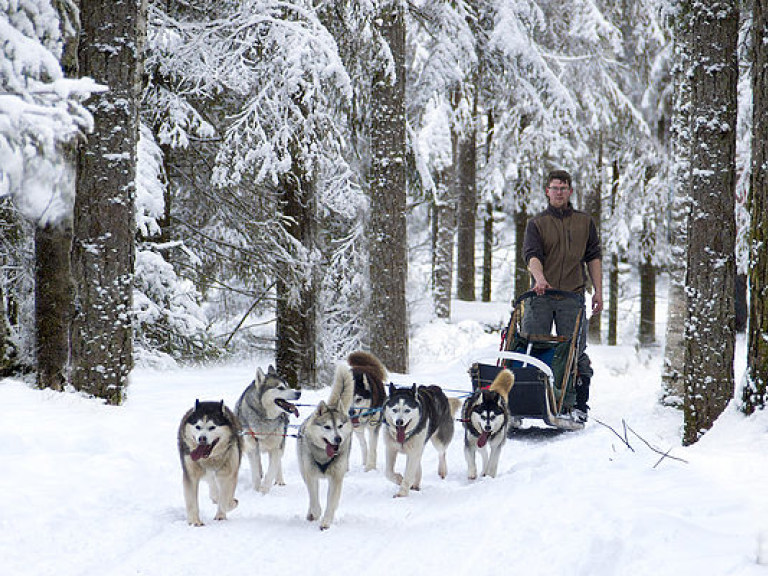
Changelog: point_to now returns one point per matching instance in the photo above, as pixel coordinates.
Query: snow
(90, 489)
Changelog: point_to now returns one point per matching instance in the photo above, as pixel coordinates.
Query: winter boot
(582, 395)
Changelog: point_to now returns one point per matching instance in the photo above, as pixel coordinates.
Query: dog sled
(544, 367)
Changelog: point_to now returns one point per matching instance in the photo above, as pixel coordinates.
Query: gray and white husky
(412, 417)
(369, 374)
(210, 448)
(324, 445)
(485, 417)
(263, 410)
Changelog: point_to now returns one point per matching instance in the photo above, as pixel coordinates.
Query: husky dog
(324, 445)
(412, 417)
(210, 447)
(262, 410)
(485, 417)
(369, 374)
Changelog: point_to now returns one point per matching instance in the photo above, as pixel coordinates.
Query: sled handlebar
(555, 293)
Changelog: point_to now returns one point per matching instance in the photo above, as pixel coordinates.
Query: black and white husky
(412, 417)
(486, 417)
(324, 445)
(210, 448)
(369, 374)
(263, 410)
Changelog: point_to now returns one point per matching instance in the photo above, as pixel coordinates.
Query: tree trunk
(53, 304)
(444, 236)
(8, 351)
(388, 329)
(296, 350)
(54, 288)
(677, 302)
(10, 231)
(465, 168)
(113, 34)
(756, 386)
(709, 333)
(487, 252)
(647, 332)
(613, 272)
(522, 276)
(595, 209)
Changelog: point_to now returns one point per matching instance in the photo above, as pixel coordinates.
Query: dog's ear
(414, 389)
(271, 370)
(259, 376)
(391, 388)
(197, 404)
(322, 408)
(221, 407)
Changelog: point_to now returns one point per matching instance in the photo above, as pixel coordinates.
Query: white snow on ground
(88, 489)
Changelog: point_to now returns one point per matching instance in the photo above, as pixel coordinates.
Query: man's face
(558, 193)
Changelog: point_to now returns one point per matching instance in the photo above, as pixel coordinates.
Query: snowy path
(94, 490)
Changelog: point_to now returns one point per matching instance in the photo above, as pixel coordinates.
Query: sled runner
(544, 367)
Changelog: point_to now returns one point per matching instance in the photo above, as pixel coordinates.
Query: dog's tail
(343, 389)
(503, 383)
(368, 364)
(454, 404)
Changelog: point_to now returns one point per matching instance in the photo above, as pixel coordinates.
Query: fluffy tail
(455, 404)
(343, 390)
(503, 383)
(368, 364)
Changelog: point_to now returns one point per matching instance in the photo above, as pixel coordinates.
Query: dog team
(212, 438)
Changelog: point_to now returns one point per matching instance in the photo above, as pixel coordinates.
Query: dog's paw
(264, 489)
(220, 516)
(472, 476)
(232, 504)
(194, 522)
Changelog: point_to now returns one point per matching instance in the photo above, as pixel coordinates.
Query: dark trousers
(542, 311)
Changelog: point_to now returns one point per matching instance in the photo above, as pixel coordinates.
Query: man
(558, 243)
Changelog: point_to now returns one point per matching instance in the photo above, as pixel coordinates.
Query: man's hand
(540, 284)
(597, 303)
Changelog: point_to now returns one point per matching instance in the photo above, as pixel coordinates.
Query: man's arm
(536, 269)
(595, 269)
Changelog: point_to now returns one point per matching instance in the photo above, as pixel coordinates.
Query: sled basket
(544, 367)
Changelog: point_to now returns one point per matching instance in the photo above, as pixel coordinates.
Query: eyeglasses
(559, 188)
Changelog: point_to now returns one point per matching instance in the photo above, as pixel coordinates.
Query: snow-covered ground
(96, 490)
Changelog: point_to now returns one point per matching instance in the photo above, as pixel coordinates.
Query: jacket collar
(560, 213)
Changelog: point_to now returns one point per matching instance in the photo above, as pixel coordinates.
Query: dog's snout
(399, 422)
(337, 440)
(202, 440)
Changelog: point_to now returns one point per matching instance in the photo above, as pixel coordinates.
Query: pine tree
(388, 329)
(755, 392)
(104, 224)
(709, 334)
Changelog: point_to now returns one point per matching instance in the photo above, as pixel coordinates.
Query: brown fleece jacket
(563, 240)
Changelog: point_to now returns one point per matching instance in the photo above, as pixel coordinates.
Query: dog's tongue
(287, 406)
(202, 451)
(401, 434)
(482, 439)
(331, 449)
